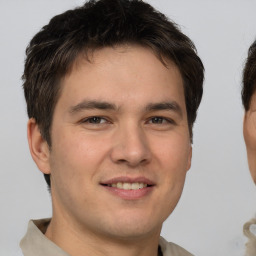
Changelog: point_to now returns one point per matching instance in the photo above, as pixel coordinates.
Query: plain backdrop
(219, 195)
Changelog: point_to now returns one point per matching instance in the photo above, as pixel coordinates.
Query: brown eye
(95, 120)
(160, 120)
(157, 120)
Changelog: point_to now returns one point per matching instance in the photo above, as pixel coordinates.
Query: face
(120, 143)
(250, 136)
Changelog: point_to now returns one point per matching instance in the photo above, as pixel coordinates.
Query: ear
(189, 158)
(38, 147)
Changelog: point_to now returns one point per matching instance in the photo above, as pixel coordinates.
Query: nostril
(122, 160)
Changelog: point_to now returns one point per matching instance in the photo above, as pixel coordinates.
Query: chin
(133, 232)
(131, 228)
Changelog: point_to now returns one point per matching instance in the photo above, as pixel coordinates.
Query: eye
(160, 120)
(94, 120)
(157, 120)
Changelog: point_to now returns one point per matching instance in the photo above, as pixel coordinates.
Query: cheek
(173, 153)
(75, 159)
(75, 164)
(77, 148)
(250, 131)
(250, 141)
(173, 157)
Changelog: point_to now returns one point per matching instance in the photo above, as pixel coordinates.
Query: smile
(128, 186)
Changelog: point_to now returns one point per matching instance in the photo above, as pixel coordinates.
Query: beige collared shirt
(35, 243)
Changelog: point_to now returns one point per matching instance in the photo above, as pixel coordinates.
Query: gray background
(219, 194)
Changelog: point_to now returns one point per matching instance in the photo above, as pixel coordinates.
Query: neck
(84, 242)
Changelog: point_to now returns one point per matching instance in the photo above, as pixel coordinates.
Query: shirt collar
(36, 243)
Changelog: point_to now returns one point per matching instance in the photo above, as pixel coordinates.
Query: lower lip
(130, 194)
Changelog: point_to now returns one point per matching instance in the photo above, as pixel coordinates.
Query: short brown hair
(249, 77)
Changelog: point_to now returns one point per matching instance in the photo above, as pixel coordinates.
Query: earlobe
(38, 147)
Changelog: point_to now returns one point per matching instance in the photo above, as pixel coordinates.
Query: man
(112, 90)
(249, 102)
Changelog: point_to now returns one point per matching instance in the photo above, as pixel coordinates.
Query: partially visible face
(120, 143)
(250, 136)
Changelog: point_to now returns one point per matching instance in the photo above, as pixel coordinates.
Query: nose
(130, 146)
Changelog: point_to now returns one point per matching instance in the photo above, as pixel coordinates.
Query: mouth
(128, 185)
(129, 188)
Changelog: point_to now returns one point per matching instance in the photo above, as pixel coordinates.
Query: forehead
(120, 53)
(123, 74)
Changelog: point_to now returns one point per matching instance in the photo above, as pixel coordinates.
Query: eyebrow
(85, 105)
(92, 105)
(172, 105)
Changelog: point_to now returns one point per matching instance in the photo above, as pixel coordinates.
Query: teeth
(119, 185)
(128, 186)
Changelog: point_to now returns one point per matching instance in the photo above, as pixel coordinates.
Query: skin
(142, 131)
(250, 136)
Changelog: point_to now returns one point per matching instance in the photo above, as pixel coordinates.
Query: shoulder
(250, 232)
(172, 249)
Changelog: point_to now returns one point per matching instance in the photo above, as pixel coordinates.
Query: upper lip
(125, 179)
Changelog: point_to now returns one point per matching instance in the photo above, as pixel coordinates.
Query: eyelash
(163, 119)
(91, 120)
(97, 120)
